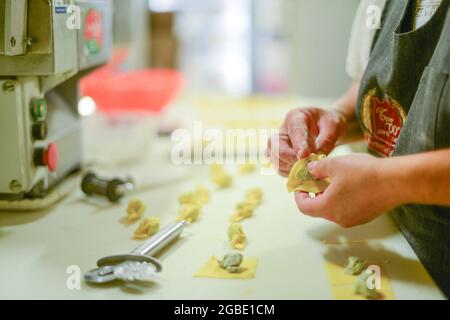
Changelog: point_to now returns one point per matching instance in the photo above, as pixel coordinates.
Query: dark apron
(404, 108)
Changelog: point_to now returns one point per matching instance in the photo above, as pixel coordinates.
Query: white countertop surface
(36, 248)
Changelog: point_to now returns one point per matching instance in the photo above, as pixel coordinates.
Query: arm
(346, 106)
(422, 178)
(364, 187)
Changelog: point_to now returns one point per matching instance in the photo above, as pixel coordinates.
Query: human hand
(305, 131)
(359, 190)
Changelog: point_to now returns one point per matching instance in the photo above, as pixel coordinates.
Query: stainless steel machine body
(46, 46)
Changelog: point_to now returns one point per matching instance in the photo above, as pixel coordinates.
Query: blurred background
(241, 47)
(225, 63)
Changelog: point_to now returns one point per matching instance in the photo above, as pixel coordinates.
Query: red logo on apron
(383, 120)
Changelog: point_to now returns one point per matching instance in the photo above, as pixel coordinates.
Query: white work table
(36, 248)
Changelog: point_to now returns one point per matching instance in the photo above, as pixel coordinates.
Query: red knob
(47, 157)
(51, 157)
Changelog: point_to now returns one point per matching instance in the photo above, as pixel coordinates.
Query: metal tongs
(139, 264)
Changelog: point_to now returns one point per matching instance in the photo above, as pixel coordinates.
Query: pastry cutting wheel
(138, 265)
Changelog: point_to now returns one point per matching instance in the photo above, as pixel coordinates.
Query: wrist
(395, 181)
(345, 111)
(341, 114)
(343, 120)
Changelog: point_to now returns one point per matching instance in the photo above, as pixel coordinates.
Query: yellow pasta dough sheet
(343, 285)
(212, 270)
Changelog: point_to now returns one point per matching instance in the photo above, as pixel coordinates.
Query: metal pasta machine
(46, 46)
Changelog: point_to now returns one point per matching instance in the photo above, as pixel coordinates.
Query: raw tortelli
(189, 212)
(146, 228)
(220, 177)
(301, 180)
(135, 210)
(236, 236)
(245, 209)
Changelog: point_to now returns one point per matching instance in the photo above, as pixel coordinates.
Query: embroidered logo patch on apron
(383, 120)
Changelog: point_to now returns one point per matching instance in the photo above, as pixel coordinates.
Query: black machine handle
(113, 189)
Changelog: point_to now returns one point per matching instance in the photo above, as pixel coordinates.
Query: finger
(284, 174)
(269, 144)
(268, 149)
(280, 146)
(281, 153)
(301, 195)
(285, 167)
(298, 131)
(310, 206)
(277, 162)
(326, 141)
(327, 138)
(279, 165)
(285, 151)
(313, 207)
(320, 169)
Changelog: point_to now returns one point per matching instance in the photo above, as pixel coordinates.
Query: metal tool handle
(107, 265)
(160, 239)
(112, 189)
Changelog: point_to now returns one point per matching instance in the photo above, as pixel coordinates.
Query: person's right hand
(305, 131)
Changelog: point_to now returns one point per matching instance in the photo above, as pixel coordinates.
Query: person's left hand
(359, 191)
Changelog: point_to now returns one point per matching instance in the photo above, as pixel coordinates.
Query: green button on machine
(38, 108)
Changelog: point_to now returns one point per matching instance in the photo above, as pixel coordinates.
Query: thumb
(326, 140)
(320, 169)
(329, 132)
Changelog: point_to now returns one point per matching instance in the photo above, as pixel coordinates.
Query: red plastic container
(142, 91)
(128, 103)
